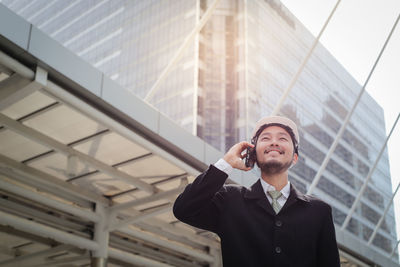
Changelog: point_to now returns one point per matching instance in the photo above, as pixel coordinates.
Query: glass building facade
(231, 74)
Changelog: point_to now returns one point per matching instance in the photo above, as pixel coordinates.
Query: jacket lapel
(256, 192)
(294, 196)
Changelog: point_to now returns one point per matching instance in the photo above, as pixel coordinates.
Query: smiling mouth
(272, 150)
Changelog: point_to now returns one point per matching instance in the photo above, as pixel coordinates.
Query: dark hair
(287, 128)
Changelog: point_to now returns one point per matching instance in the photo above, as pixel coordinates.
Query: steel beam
(140, 201)
(5, 71)
(383, 216)
(395, 247)
(26, 211)
(200, 255)
(22, 260)
(303, 64)
(17, 87)
(142, 216)
(134, 259)
(181, 231)
(75, 260)
(180, 237)
(16, 66)
(14, 89)
(348, 116)
(49, 202)
(179, 52)
(46, 231)
(38, 179)
(28, 237)
(172, 232)
(146, 250)
(369, 176)
(10, 252)
(68, 151)
(168, 179)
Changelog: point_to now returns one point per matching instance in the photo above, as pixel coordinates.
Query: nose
(274, 142)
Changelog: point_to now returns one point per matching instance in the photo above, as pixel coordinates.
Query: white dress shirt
(285, 192)
(224, 166)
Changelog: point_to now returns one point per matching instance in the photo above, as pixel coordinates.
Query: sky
(354, 36)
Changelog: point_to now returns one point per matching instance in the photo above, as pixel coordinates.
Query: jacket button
(278, 223)
(278, 250)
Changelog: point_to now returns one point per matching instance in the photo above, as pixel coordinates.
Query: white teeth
(266, 152)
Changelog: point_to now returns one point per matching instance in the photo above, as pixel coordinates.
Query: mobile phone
(250, 158)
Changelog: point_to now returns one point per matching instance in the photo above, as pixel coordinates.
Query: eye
(283, 139)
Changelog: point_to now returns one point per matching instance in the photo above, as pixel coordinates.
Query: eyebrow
(280, 133)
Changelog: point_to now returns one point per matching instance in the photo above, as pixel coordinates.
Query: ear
(295, 158)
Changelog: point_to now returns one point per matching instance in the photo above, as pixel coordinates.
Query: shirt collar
(267, 187)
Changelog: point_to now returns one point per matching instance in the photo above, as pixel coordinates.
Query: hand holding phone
(236, 155)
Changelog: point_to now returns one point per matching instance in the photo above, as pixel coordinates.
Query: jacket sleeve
(328, 253)
(201, 202)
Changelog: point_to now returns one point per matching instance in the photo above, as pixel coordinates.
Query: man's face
(275, 151)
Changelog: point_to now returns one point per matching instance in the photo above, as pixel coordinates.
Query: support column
(101, 237)
(98, 262)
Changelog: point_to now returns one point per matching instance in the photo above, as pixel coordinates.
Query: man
(271, 223)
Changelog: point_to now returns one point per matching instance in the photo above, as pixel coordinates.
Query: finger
(245, 168)
(243, 146)
(246, 144)
(238, 149)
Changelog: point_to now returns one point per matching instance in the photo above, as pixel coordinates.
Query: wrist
(224, 166)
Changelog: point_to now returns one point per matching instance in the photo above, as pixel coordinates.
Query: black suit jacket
(301, 234)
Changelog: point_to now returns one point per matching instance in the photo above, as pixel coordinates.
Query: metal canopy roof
(80, 157)
(59, 163)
